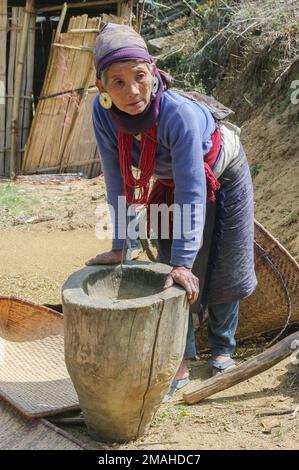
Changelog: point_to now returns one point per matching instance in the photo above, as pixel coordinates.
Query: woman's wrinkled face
(129, 85)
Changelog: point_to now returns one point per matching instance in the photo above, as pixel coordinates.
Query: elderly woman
(198, 162)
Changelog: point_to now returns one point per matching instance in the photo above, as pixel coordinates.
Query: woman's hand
(109, 257)
(186, 279)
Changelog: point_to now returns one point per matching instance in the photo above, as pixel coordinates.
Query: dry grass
(258, 40)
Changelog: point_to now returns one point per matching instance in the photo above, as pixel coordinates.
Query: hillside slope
(245, 53)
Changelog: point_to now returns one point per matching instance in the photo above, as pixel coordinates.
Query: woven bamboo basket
(275, 303)
(33, 375)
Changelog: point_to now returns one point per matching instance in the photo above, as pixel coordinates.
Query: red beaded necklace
(148, 148)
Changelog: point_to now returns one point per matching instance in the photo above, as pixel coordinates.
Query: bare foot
(182, 372)
(220, 358)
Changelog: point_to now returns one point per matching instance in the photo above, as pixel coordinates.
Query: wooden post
(124, 9)
(10, 81)
(61, 21)
(258, 364)
(3, 35)
(17, 88)
(140, 18)
(27, 88)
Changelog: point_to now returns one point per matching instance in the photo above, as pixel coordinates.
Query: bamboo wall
(61, 137)
(10, 36)
(3, 34)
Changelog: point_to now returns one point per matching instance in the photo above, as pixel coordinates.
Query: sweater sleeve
(187, 129)
(107, 146)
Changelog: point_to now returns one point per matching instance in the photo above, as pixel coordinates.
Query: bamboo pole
(124, 10)
(140, 19)
(17, 88)
(10, 81)
(74, 48)
(21, 109)
(60, 22)
(28, 90)
(258, 364)
(93, 30)
(3, 36)
(77, 5)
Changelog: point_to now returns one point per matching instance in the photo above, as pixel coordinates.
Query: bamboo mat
(19, 434)
(33, 375)
(61, 137)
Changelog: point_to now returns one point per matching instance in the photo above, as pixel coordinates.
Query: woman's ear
(99, 86)
(154, 69)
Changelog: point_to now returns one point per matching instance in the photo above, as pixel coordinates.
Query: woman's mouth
(135, 103)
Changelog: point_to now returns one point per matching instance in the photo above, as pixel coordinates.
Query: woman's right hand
(184, 277)
(109, 257)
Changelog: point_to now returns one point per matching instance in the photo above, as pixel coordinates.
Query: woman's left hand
(186, 279)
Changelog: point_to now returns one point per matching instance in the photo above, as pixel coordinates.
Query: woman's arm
(188, 128)
(107, 145)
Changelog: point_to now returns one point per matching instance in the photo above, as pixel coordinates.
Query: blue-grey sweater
(184, 137)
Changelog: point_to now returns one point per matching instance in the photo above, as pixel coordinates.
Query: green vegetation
(250, 44)
(16, 202)
(292, 218)
(255, 169)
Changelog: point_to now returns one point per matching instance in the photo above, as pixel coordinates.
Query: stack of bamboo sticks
(61, 137)
(56, 141)
(16, 82)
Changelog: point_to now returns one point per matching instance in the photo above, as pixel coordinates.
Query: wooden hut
(39, 132)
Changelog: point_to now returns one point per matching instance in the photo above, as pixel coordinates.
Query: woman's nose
(133, 88)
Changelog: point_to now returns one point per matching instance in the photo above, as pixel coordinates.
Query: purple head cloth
(119, 42)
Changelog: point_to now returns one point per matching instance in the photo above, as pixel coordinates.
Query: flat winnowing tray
(33, 375)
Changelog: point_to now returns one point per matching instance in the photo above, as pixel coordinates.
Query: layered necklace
(148, 149)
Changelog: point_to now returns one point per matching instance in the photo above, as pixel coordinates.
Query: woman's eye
(118, 82)
(141, 75)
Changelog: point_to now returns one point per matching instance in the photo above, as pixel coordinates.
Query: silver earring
(105, 100)
(155, 86)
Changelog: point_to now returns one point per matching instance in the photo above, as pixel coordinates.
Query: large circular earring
(155, 86)
(105, 100)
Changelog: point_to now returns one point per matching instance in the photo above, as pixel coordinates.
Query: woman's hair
(104, 77)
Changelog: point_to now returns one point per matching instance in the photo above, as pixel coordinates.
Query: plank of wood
(80, 48)
(91, 30)
(60, 22)
(258, 364)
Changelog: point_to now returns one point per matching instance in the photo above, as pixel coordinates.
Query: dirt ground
(256, 414)
(36, 258)
(276, 171)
